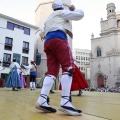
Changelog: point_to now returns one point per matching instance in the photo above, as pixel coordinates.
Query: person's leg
(51, 91)
(34, 86)
(67, 64)
(43, 100)
(31, 83)
(80, 93)
(66, 105)
(53, 70)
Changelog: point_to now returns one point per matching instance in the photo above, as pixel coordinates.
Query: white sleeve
(17, 65)
(72, 15)
(1, 68)
(28, 67)
(42, 32)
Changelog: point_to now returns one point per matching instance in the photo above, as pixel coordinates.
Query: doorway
(100, 81)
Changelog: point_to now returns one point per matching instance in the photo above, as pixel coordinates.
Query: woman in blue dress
(13, 79)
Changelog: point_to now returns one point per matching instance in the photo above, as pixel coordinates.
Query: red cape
(79, 82)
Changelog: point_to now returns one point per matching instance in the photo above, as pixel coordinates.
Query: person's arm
(72, 13)
(1, 68)
(42, 34)
(28, 67)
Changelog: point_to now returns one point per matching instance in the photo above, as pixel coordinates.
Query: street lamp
(105, 78)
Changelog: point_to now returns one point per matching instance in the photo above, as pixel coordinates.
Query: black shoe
(51, 91)
(80, 93)
(45, 108)
(69, 110)
(13, 89)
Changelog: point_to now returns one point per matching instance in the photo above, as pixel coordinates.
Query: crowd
(103, 89)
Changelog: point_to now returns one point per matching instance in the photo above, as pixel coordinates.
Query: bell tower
(111, 11)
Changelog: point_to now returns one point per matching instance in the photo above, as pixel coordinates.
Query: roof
(18, 21)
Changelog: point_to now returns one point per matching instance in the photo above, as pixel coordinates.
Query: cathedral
(105, 51)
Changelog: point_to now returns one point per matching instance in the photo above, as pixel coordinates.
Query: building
(17, 40)
(105, 57)
(82, 58)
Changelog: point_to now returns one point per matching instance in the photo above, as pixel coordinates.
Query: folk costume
(79, 82)
(58, 52)
(32, 68)
(13, 79)
(22, 80)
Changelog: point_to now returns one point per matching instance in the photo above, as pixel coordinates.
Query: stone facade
(105, 51)
(43, 9)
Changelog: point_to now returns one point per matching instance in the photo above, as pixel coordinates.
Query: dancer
(13, 79)
(1, 68)
(33, 69)
(58, 52)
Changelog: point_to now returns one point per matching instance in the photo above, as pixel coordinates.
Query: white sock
(30, 85)
(34, 87)
(47, 84)
(66, 82)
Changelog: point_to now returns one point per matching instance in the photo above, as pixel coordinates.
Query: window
(8, 43)
(82, 58)
(6, 60)
(24, 60)
(25, 47)
(81, 68)
(76, 57)
(27, 31)
(98, 52)
(11, 26)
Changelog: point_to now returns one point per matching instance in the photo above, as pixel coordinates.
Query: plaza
(19, 105)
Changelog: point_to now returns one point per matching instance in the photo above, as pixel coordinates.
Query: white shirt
(16, 65)
(28, 67)
(1, 68)
(67, 15)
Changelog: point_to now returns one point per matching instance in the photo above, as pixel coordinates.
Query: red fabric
(79, 82)
(58, 53)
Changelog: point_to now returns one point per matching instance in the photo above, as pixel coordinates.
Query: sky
(94, 10)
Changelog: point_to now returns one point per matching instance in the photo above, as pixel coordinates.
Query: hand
(42, 38)
(72, 8)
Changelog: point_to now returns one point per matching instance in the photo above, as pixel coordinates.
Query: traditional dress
(22, 80)
(13, 79)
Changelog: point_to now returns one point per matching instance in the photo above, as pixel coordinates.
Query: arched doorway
(100, 81)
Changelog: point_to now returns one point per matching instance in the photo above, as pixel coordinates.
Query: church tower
(111, 11)
(110, 24)
(43, 10)
(105, 51)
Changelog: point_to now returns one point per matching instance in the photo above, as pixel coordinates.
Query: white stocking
(66, 82)
(47, 84)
